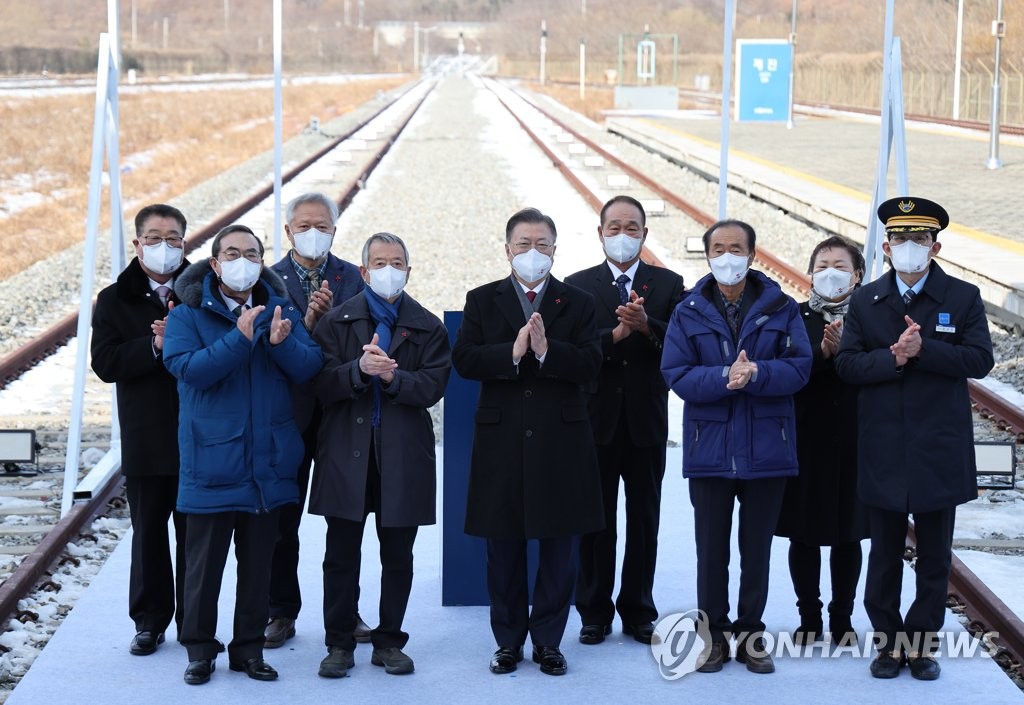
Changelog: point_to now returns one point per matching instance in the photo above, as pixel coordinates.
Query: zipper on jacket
(782, 429)
(696, 435)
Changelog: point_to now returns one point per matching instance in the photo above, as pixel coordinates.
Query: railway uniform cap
(907, 214)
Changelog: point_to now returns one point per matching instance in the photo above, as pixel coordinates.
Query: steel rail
(15, 363)
(986, 612)
(35, 564)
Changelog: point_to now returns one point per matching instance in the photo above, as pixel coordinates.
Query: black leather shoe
(886, 664)
(198, 672)
(278, 631)
(362, 631)
(715, 659)
(643, 633)
(256, 668)
(144, 643)
(594, 633)
(505, 660)
(220, 645)
(754, 654)
(550, 659)
(841, 631)
(924, 668)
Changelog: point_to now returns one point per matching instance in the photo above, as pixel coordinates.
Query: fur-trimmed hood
(189, 285)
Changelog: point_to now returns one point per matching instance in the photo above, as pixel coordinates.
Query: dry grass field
(169, 142)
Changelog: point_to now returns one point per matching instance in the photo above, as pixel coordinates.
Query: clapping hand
(375, 362)
(830, 340)
(741, 371)
(909, 343)
(159, 328)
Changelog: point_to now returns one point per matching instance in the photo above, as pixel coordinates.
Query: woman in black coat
(821, 506)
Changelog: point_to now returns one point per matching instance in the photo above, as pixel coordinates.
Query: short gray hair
(386, 238)
(312, 197)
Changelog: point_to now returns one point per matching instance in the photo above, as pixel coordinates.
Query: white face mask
(729, 268)
(833, 283)
(240, 274)
(622, 248)
(387, 281)
(909, 258)
(531, 265)
(313, 244)
(162, 258)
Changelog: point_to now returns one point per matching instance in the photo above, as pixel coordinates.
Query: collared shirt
(631, 272)
(304, 274)
(231, 303)
(902, 287)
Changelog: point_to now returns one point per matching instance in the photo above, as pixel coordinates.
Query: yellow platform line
(964, 230)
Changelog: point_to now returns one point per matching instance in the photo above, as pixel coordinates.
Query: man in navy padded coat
(736, 351)
(236, 345)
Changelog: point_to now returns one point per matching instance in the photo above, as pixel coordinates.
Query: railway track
(987, 615)
(43, 505)
(556, 139)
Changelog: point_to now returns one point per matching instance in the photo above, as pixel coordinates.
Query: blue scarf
(384, 315)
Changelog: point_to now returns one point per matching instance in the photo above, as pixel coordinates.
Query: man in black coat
(127, 348)
(629, 415)
(316, 281)
(532, 343)
(911, 339)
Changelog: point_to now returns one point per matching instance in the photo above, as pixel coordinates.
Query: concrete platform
(823, 170)
(88, 661)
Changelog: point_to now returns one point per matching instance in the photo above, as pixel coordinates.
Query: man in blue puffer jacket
(736, 350)
(235, 345)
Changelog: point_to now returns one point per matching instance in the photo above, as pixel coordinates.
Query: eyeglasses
(916, 238)
(172, 240)
(524, 246)
(231, 254)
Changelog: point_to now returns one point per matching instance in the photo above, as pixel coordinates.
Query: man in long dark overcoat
(127, 348)
(532, 342)
(911, 340)
(386, 362)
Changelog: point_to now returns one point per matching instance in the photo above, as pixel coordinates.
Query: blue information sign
(762, 79)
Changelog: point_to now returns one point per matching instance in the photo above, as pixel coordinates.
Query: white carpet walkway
(87, 661)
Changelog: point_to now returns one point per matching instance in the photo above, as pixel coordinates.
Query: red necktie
(531, 295)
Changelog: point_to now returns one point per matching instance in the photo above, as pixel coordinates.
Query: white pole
(543, 47)
(792, 65)
(166, 28)
(134, 24)
(723, 160)
(415, 47)
(99, 124)
(227, 16)
(872, 243)
(583, 69)
(994, 162)
(959, 58)
(277, 130)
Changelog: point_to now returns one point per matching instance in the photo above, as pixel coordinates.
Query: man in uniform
(911, 339)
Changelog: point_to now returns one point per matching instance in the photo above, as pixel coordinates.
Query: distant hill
(199, 35)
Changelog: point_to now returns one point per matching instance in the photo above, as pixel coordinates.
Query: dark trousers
(805, 569)
(642, 471)
(341, 581)
(509, 591)
(154, 586)
(285, 595)
(208, 539)
(934, 531)
(713, 500)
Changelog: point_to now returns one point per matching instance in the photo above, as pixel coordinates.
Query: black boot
(805, 569)
(845, 563)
